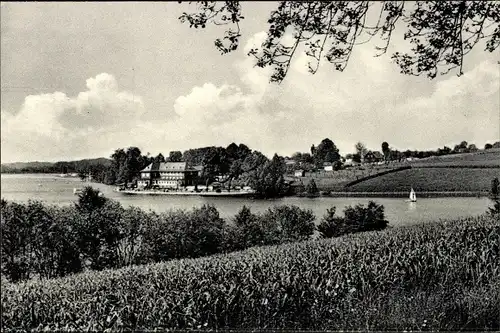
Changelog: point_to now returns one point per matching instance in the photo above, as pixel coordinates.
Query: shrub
(98, 234)
(312, 189)
(181, 234)
(287, 223)
(495, 197)
(331, 225)
(90, 199)
(205, 231)
(359, 218)
(250, 229)
(439, 276)
(131, 229)
(356, 219)
(37, 241)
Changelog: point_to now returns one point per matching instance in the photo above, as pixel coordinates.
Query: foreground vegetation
(40, 241)
(439, 276)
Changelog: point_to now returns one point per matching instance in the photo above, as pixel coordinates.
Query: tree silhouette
(442, 33)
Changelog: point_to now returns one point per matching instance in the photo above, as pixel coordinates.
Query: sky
(80, 80)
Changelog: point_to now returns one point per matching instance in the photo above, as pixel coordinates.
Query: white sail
(413, 196)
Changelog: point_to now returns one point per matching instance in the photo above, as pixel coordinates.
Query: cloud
(370, 102)
(55, 126)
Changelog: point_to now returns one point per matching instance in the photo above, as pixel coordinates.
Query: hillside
(434, 276)
(431, 180)
(53, 167)
(490, 157)
(449, 173)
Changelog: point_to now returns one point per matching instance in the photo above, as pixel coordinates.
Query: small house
(299, 173)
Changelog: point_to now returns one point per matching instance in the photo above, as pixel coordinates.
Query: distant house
(328, 167)
(348, 162)
(167, 175)
(299, 173)
(374, 156)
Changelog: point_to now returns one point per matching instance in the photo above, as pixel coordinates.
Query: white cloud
(55, 126)
(369, 102)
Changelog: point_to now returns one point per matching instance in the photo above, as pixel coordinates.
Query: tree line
(234, 165)
(97, 233)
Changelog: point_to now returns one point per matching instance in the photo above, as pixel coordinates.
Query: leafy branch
(441, 33)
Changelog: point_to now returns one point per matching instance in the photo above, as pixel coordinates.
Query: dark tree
(361, 149)
(442, 33)
(313, 150)
(159, 158)
(326, 152)
(312, 188)
(386, 150)
(90, 199)
(495, 192)
(175, 156)
(488, 146)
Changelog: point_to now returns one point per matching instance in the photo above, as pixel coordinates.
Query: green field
(487, 158)
(436, 276)
(430, 179)
(470, 172)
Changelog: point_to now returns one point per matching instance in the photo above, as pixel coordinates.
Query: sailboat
(413, 196)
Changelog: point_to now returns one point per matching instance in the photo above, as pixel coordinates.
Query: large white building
(167, 175)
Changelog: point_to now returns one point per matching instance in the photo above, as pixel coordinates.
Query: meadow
(434, 276)
(485, 158)
(470, 172)
(430, 179)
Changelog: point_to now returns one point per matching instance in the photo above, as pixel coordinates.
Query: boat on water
(413, 196)
(78, 191)
(236, 193)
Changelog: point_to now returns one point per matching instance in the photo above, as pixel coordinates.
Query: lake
(52, 189)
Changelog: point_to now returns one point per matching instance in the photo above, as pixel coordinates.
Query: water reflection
(412, 206)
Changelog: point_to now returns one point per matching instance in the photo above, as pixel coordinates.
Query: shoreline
(187, 193)
(423, 194)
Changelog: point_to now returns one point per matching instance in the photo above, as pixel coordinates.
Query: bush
(495, 197)
(356, 219)
(287, 223)
(331, 225)
(98, 234)
(312, 189)
(37, 241)
(439, 276)
(250, 229)
(130, 248)
(90, 199)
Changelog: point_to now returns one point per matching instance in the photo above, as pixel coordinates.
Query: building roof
(165, 166)
(172, 166)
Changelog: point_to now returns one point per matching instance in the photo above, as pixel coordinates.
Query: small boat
(413, 196)
(77, 191)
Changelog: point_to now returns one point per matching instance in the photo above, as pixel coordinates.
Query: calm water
(55, 190)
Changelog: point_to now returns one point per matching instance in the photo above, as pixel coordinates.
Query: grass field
(459, 172)
(487, 158)
(430, 179)
(436, 276)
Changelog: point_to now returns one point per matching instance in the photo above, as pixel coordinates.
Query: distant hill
(454, 172)
(55, 167)
(486, 158)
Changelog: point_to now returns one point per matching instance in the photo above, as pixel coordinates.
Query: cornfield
(439, 276)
